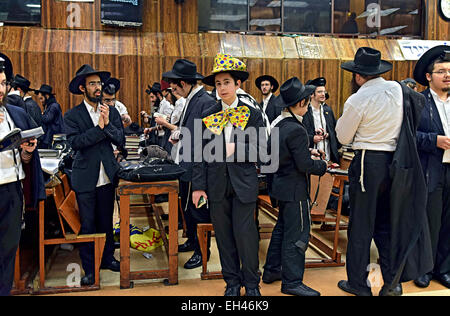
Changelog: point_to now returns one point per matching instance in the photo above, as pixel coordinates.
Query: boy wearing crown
(226, 176)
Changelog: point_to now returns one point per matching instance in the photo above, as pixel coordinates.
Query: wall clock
(444, 9)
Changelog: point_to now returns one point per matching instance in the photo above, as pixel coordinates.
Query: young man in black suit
(228, 178)
(290, 237)
(321, 123)
(183, 79)
(16, 166)
(433, 144)
(268, 86)
(91, 130)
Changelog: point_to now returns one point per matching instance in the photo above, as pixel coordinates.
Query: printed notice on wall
(126, 13)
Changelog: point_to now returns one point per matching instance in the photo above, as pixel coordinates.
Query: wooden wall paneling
(289, 47)
(232, 44)
(190, 45)
(55, 14)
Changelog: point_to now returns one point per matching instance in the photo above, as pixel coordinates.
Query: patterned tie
(237, 116)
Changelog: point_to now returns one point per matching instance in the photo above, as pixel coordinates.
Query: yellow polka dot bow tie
(237, 116)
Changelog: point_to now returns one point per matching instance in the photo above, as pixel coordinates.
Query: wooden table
(124, 191)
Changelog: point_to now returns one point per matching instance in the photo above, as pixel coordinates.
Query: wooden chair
(68, 213)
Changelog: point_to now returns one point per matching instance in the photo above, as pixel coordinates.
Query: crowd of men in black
(401, 139)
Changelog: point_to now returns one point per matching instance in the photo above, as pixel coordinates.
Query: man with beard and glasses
(52, 118)
(268, 86)
(433, 143)
(17, 166)
(91, 130)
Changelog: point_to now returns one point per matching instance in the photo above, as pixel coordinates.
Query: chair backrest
(69, 211)
(326, 186)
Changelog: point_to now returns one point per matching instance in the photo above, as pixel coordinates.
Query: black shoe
(444, 279)
(194, 262)
(345, 286)
(114, 266)
(423, 281)
(186, 247)
(270, 277)
(396, 291)
(87, 280)
(233, 291)
(252, 292)
(300, 290)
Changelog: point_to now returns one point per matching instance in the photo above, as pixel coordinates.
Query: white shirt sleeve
(348, 123)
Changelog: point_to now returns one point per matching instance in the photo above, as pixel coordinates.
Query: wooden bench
(67, 208)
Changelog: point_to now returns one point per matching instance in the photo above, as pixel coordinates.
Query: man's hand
(443, 142)
(196, 195)
(317, 154)
(29, 146)
(317, 138)
(104, 111)
(101, 122)
(160, 121)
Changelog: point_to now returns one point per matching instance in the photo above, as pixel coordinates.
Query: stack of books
(347, 152)
(132, 146)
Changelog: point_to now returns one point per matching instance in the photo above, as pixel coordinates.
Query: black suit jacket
(199, 103)
(212, 176)
(330, 121)
(92, 146)
(52, 121)
(429, 128)
(290, 182)
(272, 111)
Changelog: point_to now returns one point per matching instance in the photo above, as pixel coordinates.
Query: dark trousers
(237, 239)
(369, 217)
(96, 215)
(438, 211)
(192, 215)
(11, 206)
(290, 238)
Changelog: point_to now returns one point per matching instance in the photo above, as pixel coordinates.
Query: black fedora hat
(269, 78)
(183, 69)
(367, 62)
(44, 89)
(6, 66)
(21, 82)
(292, 92)
(111, 86)
(318, 82)
(82, 73)
(420, 70)
(155, 88)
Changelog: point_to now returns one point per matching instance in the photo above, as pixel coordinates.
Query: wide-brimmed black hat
(318, 82)
(441, 51)
(183, 69)
(367, 62)
(6, 65)
(111, 86)
(292, 92)
(22, 82)
(155, 88)
(269, 78)
(82, 73)
(44, 89)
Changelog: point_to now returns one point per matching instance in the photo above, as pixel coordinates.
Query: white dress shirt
(443, 107)
(319, 122)
(121, 108)
(10, 170)
(229, 127)
(266, 101)
(95, 116)
(178, 110)
(373, 116)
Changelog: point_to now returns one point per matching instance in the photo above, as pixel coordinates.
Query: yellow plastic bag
(139, 240)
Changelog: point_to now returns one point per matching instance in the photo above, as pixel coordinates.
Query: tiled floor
(322, 279)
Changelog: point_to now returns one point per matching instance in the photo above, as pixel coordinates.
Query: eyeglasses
(442, 72)
(95, 84)
(109, 100)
